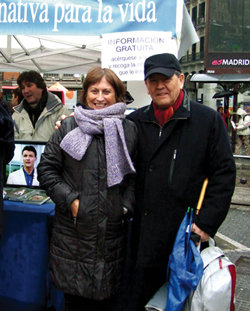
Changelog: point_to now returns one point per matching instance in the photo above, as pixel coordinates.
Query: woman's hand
(204, 236)
(63, 117)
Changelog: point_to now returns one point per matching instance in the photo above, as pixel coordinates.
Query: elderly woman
(87, 169)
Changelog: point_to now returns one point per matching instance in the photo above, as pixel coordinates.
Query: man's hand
(204, 236)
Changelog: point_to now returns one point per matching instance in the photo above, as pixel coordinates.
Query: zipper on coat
(161, 127)
(171, 171)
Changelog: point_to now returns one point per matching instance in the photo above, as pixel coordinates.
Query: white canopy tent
(60, 54)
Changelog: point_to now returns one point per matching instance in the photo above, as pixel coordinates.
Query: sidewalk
(241, 196)
(239, 254)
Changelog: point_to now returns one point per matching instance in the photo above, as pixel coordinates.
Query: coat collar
(52, 102)
(183, 112)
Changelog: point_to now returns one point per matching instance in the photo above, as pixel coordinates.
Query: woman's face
(100, 95)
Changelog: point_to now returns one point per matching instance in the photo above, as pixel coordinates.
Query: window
(202, 43)
(194, 51)
(201, 18)
(194, 15)
(202, 10)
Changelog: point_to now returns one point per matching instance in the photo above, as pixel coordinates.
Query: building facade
(227, 35)
(193, 61)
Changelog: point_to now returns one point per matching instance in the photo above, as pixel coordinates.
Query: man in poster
(27, 175)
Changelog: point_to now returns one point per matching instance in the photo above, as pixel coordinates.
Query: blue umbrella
(185, 266)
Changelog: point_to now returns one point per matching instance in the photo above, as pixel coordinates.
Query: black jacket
(172, 163)
(86, 259)
(7, 147)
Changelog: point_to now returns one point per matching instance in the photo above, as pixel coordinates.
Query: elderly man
(36, 116)
(181, 143)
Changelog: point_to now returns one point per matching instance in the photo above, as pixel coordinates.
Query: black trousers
(142, 286)
(78, 303)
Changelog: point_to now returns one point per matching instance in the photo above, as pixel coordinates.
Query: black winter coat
(86, 259)
(7, 147)
(172, 163)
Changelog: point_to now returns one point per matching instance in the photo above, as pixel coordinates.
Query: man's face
(29, 159)
(164, 90)
(31, 93)
(221, 110)
(14, 100)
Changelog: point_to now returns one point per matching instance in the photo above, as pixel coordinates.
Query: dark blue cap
(165, 63)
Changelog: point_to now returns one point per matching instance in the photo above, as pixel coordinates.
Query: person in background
(3, 101)
(180, 144)
(243, 131)
(225, 115)
(87, 170)
(35, 117)
(16, 98)
(27, 175)
(7, 147)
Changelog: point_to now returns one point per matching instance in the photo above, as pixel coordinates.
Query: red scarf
(163, 115)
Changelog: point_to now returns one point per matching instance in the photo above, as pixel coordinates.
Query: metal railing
(188, 58)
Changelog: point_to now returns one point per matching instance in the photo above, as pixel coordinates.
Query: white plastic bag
(215, 292)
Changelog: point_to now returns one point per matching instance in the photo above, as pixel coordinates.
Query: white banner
(125, 52)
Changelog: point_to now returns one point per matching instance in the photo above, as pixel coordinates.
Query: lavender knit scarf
(108, 121)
